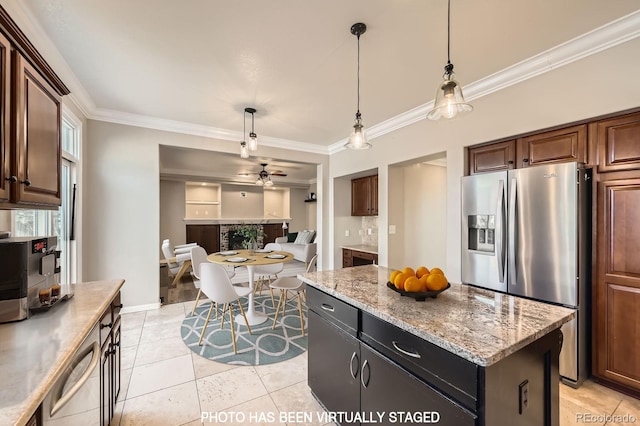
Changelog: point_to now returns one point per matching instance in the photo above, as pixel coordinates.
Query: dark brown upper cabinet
(5, 119)
(618, 143)
(557, 146)
(30, 123)
(38, 117)
(364, 196)
(494, 157)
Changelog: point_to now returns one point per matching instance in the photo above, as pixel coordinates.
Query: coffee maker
(27, 265)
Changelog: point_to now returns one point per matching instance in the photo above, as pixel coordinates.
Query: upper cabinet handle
(11, 179)
(26, 182)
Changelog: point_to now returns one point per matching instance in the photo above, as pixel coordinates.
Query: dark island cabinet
(359, 363)
(110, 359)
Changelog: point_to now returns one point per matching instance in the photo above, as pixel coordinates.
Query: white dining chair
(198, 257)
(216, 285)
(268, 272)
(293, 284)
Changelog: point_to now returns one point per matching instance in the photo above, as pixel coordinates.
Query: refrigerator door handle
(500, 228)
(512, 233)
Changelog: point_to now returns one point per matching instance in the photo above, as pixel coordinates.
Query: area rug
(263, 346)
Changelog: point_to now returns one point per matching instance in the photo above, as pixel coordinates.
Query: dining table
(250, 259)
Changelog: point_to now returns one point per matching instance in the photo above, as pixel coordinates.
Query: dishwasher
(75, 396)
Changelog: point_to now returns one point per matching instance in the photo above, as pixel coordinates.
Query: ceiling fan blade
(277, 174)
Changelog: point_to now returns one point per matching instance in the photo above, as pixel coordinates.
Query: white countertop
(479, 325)
(35, 351)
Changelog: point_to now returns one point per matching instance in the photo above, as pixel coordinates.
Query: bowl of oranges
(419, 283)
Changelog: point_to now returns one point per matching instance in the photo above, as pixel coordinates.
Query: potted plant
(251, 234)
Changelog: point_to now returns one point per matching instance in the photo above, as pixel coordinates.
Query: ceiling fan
(264, 176)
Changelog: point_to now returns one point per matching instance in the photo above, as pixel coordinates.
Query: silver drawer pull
(354, 356)
(411, 354)
(327, 307)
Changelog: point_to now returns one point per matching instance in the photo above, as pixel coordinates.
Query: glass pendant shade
(358, 138)
(253, 141)
(449, 100)
(269, 182)
(259, 181)
(244, 151)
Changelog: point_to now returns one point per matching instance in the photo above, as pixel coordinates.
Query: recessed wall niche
(202, 200)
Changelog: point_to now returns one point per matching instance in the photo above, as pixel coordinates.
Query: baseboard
(140, 308)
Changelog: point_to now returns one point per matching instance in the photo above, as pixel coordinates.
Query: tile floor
(164, 383)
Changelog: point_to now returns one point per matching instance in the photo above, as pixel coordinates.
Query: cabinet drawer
(363, 255)
(441, 369)
(333, 310)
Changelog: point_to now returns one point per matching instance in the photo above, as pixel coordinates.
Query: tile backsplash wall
(369, 223)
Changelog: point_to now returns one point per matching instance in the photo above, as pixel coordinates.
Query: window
(40, 223)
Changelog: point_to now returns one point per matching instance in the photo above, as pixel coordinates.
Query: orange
(421, 271)
(437, 271)
(412, 284)
(409, 271)
(393, 276)
(400, 279)
(423, 282)
(436, 282)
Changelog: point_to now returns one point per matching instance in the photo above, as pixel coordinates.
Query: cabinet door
(374, 195)
(105, 384)
(617, 291)
(360, 192)
(347, 259)
(5, 123)
(386, 387)
(492, 158)
(558, 146)
(207, 236)
(38, 117)
(333, 365)
(618, 142)
(115, 362)
(271, 232)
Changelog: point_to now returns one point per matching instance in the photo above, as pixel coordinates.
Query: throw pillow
(291, 237)
(305, 237)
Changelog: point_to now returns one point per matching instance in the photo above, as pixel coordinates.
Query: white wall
(312, 209)
(298, 210)
(5, 220)
(424, 209)
(121, 201)
(274, 203)
(236, 206)
(172, 212)
(395, 216)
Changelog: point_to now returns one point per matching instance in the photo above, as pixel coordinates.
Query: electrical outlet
(347, 233)
(368, 231)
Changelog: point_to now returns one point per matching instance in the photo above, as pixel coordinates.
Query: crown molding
(602, 38)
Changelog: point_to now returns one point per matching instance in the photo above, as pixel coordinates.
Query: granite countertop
(479, 325)
(35, 351)
(362, 247)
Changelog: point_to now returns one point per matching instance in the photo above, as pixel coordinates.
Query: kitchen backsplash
(369, 223)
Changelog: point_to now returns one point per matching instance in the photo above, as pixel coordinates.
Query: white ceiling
(201, 62)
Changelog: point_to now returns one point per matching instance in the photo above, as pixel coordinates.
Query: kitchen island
(35, 352)
(468, 357)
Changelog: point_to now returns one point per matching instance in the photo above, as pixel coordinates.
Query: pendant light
(253, 138)
(358, 138)
(449, 100)
(244, 150)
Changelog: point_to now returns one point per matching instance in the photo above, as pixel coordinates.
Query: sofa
(301, 251)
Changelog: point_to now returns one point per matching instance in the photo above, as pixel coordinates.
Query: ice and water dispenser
(482, 232)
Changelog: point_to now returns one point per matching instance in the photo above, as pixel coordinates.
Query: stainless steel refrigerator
(527, 232)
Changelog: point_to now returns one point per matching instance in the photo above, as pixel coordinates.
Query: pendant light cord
(252, 131)
(358, 108)
(449, 32)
